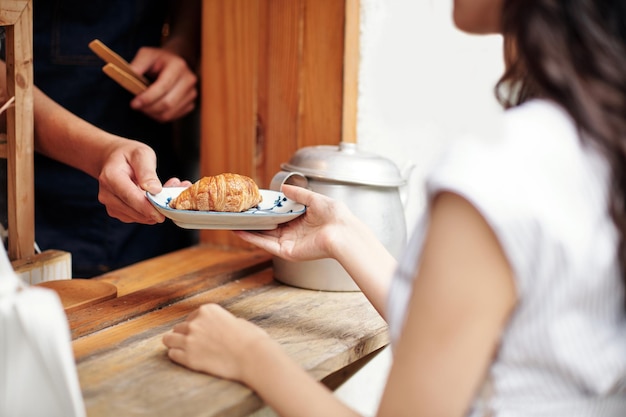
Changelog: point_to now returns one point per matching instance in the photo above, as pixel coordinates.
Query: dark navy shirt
(68, 215)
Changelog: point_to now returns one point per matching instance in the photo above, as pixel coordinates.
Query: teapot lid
(345, 163)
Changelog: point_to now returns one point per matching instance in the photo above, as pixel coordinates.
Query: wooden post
(16, 16)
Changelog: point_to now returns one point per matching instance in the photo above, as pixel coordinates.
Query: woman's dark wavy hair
(574, 53)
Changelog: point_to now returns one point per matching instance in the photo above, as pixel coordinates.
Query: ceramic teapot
(370, 185)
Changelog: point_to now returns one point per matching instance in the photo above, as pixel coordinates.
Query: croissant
(224, 192)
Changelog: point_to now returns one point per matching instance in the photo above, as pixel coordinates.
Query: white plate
(272, 211)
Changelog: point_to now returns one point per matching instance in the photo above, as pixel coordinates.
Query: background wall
(422, 83)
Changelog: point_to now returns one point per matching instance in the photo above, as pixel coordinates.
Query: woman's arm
(462, 297)
(328, 229)
(213, 341)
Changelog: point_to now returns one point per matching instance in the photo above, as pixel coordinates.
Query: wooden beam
(230, 39)
(17, 16)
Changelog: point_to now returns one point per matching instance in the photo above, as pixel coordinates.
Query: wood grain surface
(162, 281)
(16, 16)
(76, 294)
(272, 82)
(122, 363)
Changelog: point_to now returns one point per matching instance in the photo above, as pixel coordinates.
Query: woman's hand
(213, 341)
(173, 93)
(128, 171)
(329, 229)
(314, 235)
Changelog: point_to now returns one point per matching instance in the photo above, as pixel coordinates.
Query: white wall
(422, 82)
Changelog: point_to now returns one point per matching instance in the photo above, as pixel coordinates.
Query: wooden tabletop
(122, 364)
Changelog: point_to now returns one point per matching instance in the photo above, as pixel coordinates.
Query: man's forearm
(63, 136)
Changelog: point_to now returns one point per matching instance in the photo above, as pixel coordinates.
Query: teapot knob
(290, 178)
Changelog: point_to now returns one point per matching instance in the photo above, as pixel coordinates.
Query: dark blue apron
(68, 215)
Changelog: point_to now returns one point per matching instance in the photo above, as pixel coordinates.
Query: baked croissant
(223, 192)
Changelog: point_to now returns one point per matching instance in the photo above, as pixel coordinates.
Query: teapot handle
(290, 178)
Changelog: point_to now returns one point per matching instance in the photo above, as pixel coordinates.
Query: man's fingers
(143, 164)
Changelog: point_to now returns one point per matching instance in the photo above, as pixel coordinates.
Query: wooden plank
(76, 294)
(11, 11)
(323, 331)
(156, 296)
(122, 333)
(280, 85)
(230, 42)
(20, 132)
(229, 62)
(160, 269)
(270, 86)
(336, 379)
(322, 73)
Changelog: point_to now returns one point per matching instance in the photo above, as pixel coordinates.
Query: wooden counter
(122, 363)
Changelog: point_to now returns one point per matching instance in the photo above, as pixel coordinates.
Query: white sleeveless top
(545, 196)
